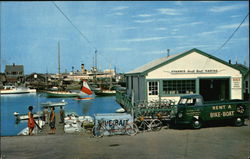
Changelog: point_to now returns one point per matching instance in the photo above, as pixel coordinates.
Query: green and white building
(190, 72)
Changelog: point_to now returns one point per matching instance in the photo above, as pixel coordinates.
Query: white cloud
(190, 24)
(235, 16)
(114, 27)
(178, 36)
(118, 13)
(196, 23)
(144, 21)
(145, 15)
(178, 3)
(207, 33)
(232, 26)
(161, 28)
(168, 11)
(120, 8)
(226, 8)
(144, 39)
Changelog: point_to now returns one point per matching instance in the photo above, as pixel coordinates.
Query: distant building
(35, 77)
(14, 73)
(2, 79)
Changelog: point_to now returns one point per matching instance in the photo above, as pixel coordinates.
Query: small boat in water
(26, 117)
(54, 104)
(8, 89)
(120, 110)
(62, 94)
(105, 93)
(85, 91)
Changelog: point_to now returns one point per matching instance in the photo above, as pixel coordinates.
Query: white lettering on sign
(193, 71)
(236, 82)
(221, 114)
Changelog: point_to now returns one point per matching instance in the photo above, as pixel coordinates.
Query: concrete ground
(220, 142)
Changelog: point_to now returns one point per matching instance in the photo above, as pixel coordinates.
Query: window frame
(153, 86)
(179, 86)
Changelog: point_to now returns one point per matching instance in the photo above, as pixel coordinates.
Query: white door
(153, 90)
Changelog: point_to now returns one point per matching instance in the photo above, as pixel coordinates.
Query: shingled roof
(13, 68)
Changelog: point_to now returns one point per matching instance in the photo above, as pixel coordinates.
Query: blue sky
(126, 34)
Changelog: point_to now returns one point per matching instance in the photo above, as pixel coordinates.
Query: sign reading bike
(114, 124)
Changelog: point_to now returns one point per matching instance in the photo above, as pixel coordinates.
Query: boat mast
(59, 58)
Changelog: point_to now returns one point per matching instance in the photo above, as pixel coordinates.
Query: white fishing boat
(26, 117)
(75, 123)
(84, 92)
(8, 89)
(73, 127)
(120, 110)
(61, 94)
(54, 104)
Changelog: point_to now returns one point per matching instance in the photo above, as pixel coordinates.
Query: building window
(179, 86)
(152, 88)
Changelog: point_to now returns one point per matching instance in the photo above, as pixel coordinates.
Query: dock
(59, 127)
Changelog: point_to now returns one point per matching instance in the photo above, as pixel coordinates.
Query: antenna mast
(59, 57)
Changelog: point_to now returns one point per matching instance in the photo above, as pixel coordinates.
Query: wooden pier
(59, 127)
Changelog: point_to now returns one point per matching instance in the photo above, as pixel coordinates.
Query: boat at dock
(84, 92)
(9, 89)
(26, 117)
(25, 131)
(54, 104)
(62, 94)
(105, 93)
(120, 110)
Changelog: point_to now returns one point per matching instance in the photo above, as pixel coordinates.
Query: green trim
(243, 71)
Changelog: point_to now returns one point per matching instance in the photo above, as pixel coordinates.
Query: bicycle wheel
(131, 129)
(98, 131)
(142, 126)
(156, 125)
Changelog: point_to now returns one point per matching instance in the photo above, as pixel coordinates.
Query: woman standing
(52, 123)
(31, 121)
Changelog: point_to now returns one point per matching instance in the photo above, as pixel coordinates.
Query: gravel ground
(220, 142)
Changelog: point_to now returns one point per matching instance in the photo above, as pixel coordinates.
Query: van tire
(239, 122)
(196, 124)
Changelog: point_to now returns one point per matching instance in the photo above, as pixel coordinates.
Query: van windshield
(182, 101)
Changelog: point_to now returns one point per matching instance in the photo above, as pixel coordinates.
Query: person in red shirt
(31, 121)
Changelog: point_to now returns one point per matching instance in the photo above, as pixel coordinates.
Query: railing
(124, 100)
(166, 108)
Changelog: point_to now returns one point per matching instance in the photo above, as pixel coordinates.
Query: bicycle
(148, 124)
(102, 129)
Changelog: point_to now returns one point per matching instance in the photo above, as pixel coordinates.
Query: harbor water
(20, 102)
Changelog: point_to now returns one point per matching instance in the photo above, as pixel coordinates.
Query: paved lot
(223, 142)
